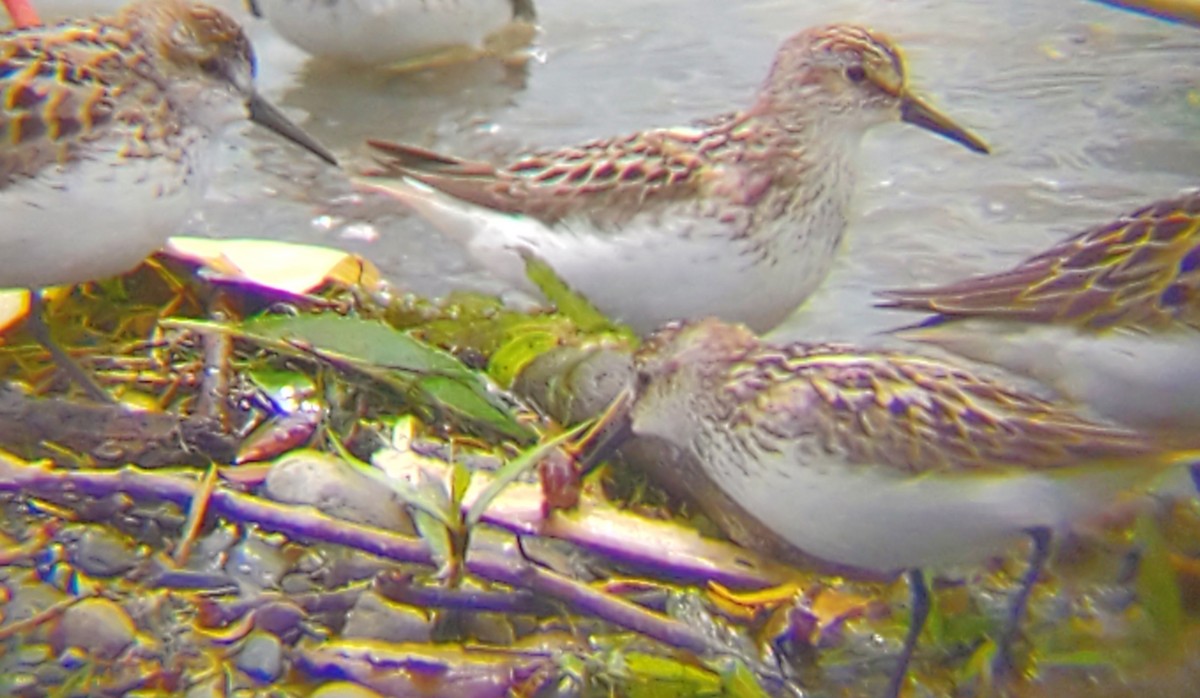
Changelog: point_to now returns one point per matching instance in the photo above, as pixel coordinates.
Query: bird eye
(856, 73)
(210, 65)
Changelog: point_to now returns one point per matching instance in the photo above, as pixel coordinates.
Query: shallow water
(1090, 112)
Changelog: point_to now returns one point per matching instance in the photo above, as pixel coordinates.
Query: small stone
(280, 618)
(99, 626)
(100, 551)
(376, 618)
(261, 657)
(334, 487)
(256, 562)
(29, 598)
(298, 583)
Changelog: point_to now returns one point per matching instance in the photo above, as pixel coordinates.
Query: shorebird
(109, 127)
(738, 217)
(877, 463)
(382, 32)
(1109, 318)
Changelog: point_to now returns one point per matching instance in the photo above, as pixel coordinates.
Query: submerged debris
(327, 501)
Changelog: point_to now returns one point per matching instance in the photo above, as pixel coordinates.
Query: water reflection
(1090, 111)
(423, 106)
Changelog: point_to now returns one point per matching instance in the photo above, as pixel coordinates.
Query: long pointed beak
(266, 114)
(918, 113)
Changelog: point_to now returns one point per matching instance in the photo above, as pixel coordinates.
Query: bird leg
(918, 614)
(1003, 661)
(36, 323)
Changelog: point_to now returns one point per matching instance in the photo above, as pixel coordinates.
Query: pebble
(376, 618)
(261, 657)
(98, 626)
(336, 488)
(256, 562)
(100, 551)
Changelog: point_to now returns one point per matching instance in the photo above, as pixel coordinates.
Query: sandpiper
(1109, 318)
(382, 32)
(109, 126)
(878, 463)
(737, 217)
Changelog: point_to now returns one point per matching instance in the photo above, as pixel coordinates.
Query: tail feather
(407, 159)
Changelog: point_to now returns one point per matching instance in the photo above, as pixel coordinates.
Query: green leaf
(282, 386)
(950, 629)
(568, 301)
(653, 676)
(469, 402)
(739, 682)
(432, 378)
(356, 340)
(1157, 588)
(979, 665)
(437, 536)
(506, 362)
(460, 481)
(1077, 659)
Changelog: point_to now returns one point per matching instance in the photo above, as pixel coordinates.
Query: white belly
(648, 273)
(647, 277)
(385, 31)
(90, 220)
(883, 522)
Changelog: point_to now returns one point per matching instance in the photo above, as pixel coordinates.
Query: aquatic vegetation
(338, 488)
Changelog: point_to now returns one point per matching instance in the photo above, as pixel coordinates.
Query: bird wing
(605, 181)
(1139, 272)
(918, 415)
(55, 95)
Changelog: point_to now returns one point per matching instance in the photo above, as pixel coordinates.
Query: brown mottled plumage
(1109, 317)
(107, 128)
(608, 181)
(907, 413)
(1140, 272)
(914, 414)
(111, 121)
(878, 462)
(737, 216)
(72, 84)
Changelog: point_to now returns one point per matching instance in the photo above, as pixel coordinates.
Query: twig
(502, 564)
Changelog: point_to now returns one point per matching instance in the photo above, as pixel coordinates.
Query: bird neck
(803, 176)
(797, 151)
